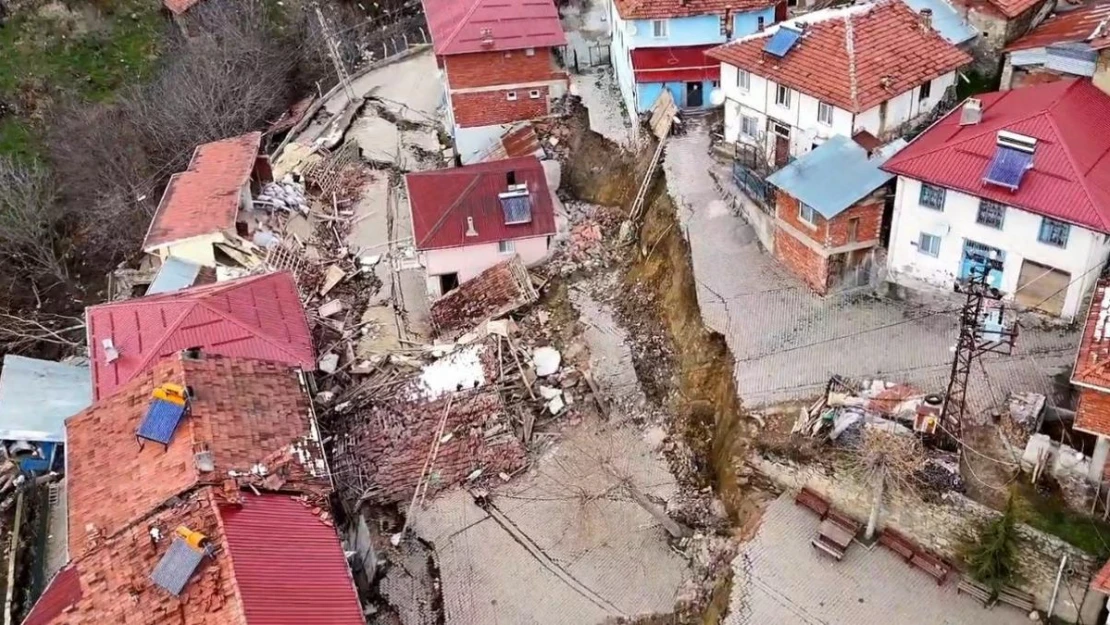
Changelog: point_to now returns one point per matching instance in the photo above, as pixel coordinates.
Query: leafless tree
(31, 220)
(884, 460)
(20, 331)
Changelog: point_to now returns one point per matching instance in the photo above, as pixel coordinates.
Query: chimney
(470, 230)
(926, 19)
(972, 112)
(111, 354)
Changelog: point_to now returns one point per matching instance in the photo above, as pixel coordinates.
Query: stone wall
(940, 527)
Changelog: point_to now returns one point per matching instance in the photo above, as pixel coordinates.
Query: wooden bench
(834, 550)
(1012, 596)
(973, 588)
(932, 565)
(845, 521)
(897, 543)
(812, 500)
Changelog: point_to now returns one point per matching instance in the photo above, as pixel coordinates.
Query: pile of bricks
(495, 292)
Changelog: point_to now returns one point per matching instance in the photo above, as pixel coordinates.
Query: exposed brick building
(498, 64)
(1091, 376)
(829, 213)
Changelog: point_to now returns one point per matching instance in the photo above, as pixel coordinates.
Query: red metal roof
(656, 9)
(205, 198)
(289, 565)
(63, 592)
(257, 317)
(674, 64)
(885, 52)
(1085, 24)
(178, 7)
(460, 26)
(442, 201)
(1070, 178)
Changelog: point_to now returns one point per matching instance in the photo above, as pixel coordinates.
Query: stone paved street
(780, 578)
(787, 341)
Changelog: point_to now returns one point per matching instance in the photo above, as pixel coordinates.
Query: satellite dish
(717, 96)
(630, 29)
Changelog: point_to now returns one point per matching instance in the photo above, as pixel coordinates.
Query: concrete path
(787, 341)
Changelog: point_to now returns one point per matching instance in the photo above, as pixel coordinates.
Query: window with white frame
(929, 244)
(529, 52)
(749, 126)
(1054, 232)
(782, 96)
(991, 214)
(659, 28)
(534, 94)
(505, 247)
(825, 113)
(932, 197)
(743, 79)
(510, 96)
(807, 214)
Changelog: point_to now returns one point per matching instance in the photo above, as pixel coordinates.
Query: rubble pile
(287, 195)
(1022, 418)
(495, 292)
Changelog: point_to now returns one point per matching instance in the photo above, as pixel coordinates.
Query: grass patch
(1051, 516)
(88, 52)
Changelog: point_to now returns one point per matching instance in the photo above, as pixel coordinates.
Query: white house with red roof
(1022, 176)
(660, 45)
(498, 65)
(871, 68)
(468, 219)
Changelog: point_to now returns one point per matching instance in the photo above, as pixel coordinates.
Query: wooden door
(1042, 287)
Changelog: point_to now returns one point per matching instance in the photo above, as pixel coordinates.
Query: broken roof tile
(495, 292)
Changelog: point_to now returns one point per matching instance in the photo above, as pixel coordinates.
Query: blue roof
(834, 176)
(37, 396)
(946, 21)
(175, 274)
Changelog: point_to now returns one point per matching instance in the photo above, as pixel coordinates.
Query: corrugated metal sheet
(1071, 59)
(1070, 179)
(1032, 56)
(37, 396)
(832, 177)
(174, 275)
(289, 565)
(64, 591)
(684, 63)
(946, 21)
(465, 26)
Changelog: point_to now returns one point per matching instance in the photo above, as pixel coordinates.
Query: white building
(875, 68)
(1018, 176)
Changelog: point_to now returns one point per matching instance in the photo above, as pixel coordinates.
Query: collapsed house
(495, 292)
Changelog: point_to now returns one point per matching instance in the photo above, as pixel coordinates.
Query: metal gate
(592, 55)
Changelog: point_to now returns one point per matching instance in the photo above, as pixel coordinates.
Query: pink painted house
(467, 219)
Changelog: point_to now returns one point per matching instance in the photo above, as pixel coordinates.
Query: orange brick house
(829, 208)
(498, 64)
(1091, 377)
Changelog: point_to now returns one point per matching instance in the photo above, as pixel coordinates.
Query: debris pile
(287, 195)
(495, 292)
(1022, 419)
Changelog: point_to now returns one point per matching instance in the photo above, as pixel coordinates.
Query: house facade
(498, 63)
(1012, 176)
(662, 45)
(829, 213)
(1066, 45)
(874, 68)
(468, 219)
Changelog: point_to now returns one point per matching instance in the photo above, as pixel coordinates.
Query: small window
(759, 23)
(743, 79)
(529, 52)
(508, 55)
(505, 247)
(534, 94)
(1054, 232)
(659, 28)
(932, 197)
(991, 214)
(510, 96)
(716, 83)
(926, 89)
(825, 113)
(807, 214)
(929, 244)
(853, 229)
(782, 96)
(749, 126)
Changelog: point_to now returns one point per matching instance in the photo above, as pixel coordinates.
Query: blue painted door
(974, 262)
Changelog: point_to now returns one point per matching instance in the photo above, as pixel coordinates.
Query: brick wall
(487, 108)
(802, 261)
(834, 232)
(786, 208)
(1093, 412)
(485, 69)
(491, 293)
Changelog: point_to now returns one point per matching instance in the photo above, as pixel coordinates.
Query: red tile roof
(267, 541)
(258, 317)
(205, 198)
(243, 412)
(457, 26)
(855, 57)
(289, 566)
(659, 9)
(1092, 362)
(1101, 582)
(1070, 178)
(442, 200)
(178, 7)
(1085, 24)
(685, 63)
(1007, 9)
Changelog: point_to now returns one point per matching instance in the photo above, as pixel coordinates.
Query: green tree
(992, 557)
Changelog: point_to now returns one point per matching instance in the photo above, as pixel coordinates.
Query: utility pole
(977, 337)
(333, 52)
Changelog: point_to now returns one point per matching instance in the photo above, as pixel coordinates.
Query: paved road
(788, 341)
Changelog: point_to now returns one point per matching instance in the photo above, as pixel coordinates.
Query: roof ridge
(850, 44)
(462, 23)
(1081, 175)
